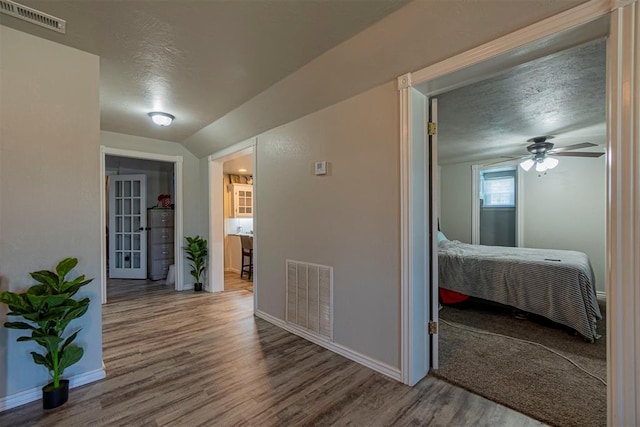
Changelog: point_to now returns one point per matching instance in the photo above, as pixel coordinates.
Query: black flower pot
(54, 397)
(197, 287)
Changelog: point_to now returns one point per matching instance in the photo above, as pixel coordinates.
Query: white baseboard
(31, 395)
(383, 368)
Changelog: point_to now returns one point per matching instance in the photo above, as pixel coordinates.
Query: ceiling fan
(541, 151)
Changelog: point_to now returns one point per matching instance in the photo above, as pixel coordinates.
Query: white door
(419, 299)
(127, 223)
(434, 213)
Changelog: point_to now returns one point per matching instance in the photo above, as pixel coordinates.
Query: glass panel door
(127, 223)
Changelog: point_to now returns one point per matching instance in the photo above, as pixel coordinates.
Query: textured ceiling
(561, 95)
(230, 70)
(197, 60)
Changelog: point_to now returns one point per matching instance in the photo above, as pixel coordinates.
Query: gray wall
(49, 182)
(564, 209)
(347, 219)
(455, 199)
(193, 208)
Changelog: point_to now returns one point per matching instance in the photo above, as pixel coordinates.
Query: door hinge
(432, 327)
(432, 128)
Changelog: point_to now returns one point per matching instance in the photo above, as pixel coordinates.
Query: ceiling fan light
(526, 165)
(540, 166)
(550, 162)
(161, 119)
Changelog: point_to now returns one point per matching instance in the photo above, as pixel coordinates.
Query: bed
(555, 284)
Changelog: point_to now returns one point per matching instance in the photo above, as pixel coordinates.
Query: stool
(247, 253)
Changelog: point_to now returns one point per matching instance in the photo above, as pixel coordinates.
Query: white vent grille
(310, 297)
(28, 14)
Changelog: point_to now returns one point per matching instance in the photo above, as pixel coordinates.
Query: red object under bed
(451, 297)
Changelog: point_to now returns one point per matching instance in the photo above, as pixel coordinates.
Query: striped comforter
(558, 285)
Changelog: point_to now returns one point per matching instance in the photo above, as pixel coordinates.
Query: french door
(127, 223)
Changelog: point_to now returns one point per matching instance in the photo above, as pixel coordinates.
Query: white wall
(49, 187)
(564, 209)
(347, 219)
(455, 199)
(193, 208)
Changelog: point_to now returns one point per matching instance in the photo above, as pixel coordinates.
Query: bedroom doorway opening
(455, 220)
(511, 294)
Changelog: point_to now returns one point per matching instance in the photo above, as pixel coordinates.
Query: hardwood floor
(233, 282)
(187, 359)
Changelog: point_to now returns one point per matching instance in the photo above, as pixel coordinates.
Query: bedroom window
(498, 188)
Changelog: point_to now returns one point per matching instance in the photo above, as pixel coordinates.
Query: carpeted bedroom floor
(522, 376)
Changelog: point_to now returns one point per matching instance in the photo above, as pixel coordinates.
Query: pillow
(441, 236)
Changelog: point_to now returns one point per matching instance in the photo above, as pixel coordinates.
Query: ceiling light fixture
(160, 118)
(526, 165)
(542, 164)
(242, 170)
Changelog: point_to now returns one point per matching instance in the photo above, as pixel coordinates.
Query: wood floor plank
(194, 358)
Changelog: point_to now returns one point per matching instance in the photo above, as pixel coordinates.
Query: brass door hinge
(433, 327)
(432, 128)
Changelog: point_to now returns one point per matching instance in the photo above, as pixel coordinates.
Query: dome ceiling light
(161, 119)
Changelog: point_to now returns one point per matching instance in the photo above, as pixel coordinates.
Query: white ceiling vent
(28, 14)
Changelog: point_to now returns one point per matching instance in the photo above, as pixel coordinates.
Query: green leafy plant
(196, 253)
(48, 308)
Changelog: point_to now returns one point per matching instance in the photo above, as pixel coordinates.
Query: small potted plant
(196, 253)
(47, 309)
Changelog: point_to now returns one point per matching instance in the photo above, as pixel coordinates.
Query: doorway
(129, 212)
(238, 222)
(552, 229)
(452, 74)
(140, 218)
(234, 219)
(581, 23)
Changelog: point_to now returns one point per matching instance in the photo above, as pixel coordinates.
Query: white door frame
(178, 213)
(216, 213)
(623, 168)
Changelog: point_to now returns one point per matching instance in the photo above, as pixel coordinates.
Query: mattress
(555, 284)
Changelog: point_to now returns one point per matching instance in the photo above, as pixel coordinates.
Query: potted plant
(196, 253)
(47, 309)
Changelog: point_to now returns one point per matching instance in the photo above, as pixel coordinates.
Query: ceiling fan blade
(578, 154)
(573, 147)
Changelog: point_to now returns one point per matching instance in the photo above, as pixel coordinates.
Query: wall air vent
(309, 297)
(11, 8)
